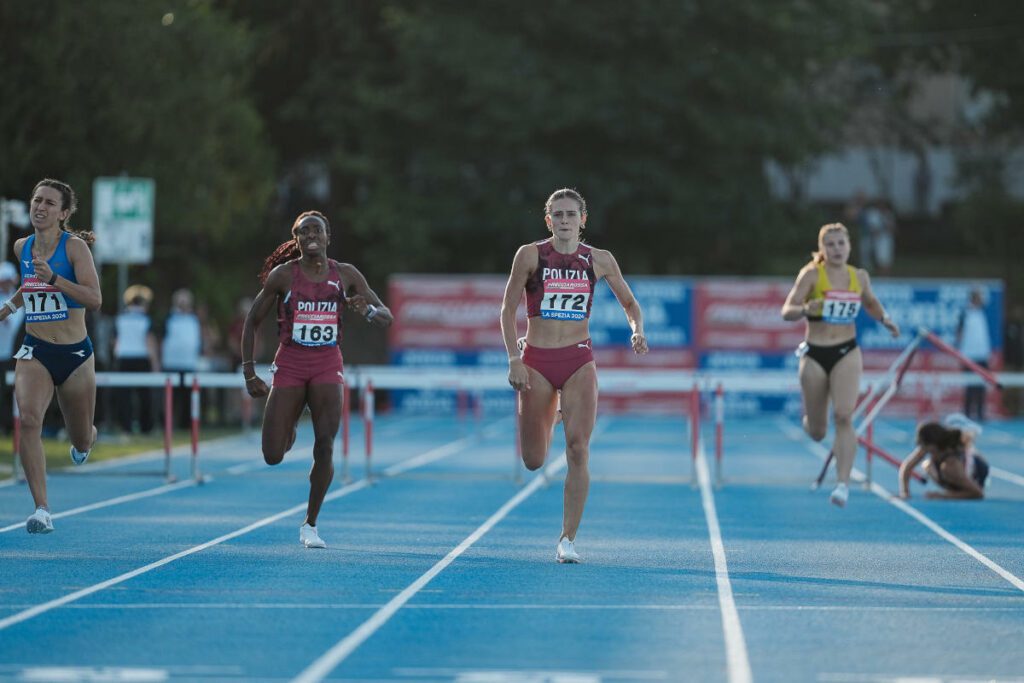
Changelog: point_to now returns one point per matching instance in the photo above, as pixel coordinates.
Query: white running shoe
(566, 552)
(39, 522)
(839, 495)
(310, 538)
(521, 344)
(79, 457)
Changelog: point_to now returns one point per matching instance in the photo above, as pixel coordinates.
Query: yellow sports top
(822, 285)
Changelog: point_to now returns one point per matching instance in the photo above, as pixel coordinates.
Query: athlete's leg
(77, 399)
(814, 388)
(844, 389)
(325, 405)
(537, 407)
(579, 412)
(280, 418)
(33, 389)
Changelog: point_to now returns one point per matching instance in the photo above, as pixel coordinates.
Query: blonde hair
(819, 255)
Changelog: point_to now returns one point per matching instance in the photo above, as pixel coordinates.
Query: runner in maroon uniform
(309, 291)
(558, 276)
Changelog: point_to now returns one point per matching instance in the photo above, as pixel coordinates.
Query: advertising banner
(717, 324)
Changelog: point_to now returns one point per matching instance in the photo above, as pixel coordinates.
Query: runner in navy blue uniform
(58, 282)
(558, 275)
(309, 291)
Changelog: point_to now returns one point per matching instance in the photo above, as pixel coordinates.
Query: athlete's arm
(907, 467)
(796, 305)
(873, 306)
(607, 267)
(523, 265)
(365, 301)
(87, 290)
(278, 282)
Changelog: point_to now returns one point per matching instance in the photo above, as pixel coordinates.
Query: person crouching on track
(829, 293)
(949, 460)
(558, 275)
(309, 290)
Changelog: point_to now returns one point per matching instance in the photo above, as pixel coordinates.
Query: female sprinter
(558, 275)
(829, 293)
(309, 292)
(58, 282)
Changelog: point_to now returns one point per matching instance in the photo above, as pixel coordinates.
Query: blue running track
(442, 568)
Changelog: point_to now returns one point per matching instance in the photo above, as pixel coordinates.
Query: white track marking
(880, 491)
(736, 657)
(327, 662)
(27, 614)
(99, 505)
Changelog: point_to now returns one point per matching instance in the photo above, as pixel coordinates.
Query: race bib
(315, 327)
(565, 299)
(840, 307)
(43, 303)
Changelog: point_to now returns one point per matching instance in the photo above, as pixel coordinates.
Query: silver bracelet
(371, 311)
(11, 307)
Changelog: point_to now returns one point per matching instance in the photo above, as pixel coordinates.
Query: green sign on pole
(122, 219)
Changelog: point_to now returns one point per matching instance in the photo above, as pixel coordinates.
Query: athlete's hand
(42, 268)
(891, 325)
(518, 375)
(814, 307)
(639, 343)
(256, 387)
(359, 304)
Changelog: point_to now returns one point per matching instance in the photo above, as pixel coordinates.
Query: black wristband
(52, 280)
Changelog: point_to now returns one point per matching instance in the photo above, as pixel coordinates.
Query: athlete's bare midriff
(69, 331)
(821, 333)
(553, 334)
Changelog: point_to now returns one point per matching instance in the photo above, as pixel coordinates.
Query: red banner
(743, 314)
(449, 311)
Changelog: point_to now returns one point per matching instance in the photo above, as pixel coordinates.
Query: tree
(445, 125)
(144, 88)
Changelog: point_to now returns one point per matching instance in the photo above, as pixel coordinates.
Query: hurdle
(874, 402)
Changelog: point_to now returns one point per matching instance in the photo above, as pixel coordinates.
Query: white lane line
(416, 461)
(77, 595)
(737, 660)
(328, 661)
(95, 588)
(1011, 477)
(546, 607)
(919, 516)
(99, 505)
(880, 491)
(524, 675)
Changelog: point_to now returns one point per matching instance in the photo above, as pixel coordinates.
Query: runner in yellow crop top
(829, 293)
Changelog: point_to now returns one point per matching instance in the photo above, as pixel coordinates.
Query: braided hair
(69, 203)
(288, 251)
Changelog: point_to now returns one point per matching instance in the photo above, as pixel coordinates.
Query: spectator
(974, 342)
(135, 350)
(181, 348)
(1014, 342)
(11, 330)
(856, 213)
(1013, 356)
(882, 223)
